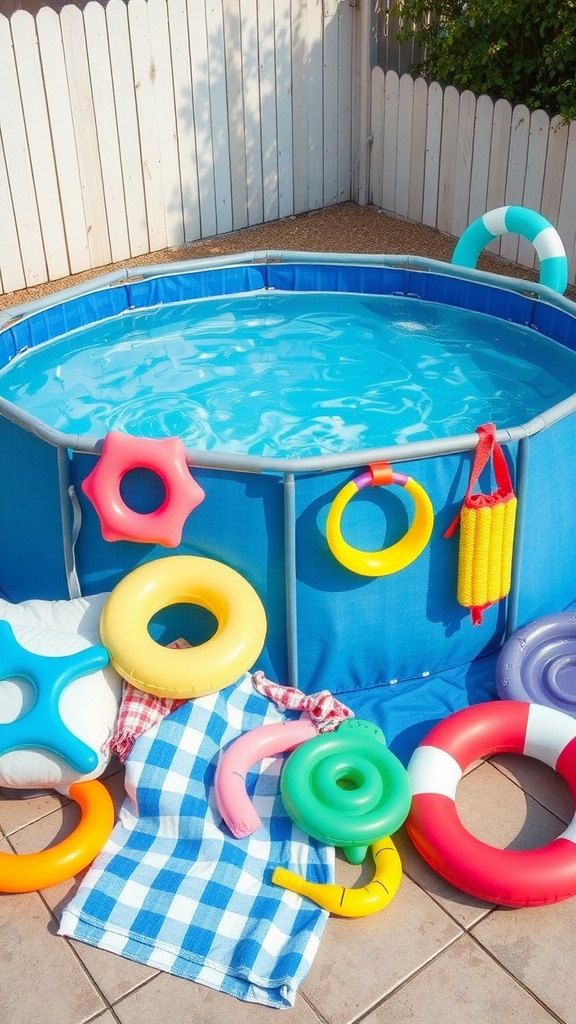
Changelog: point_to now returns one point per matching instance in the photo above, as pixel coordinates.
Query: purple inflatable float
(538, 663)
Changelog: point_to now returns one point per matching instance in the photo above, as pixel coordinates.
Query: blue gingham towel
(173, 889)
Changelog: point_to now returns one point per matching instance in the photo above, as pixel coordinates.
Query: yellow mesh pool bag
(486, 531)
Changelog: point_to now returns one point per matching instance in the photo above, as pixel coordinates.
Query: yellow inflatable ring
(398, 555)
(196, 671)
(349, 902)
(29, 872)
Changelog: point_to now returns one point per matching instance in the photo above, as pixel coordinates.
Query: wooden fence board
(235, 109)
(283, 51)
(11, 269)
(554, 172)
(391, 101)
(39, 142)
(299, 60)
(566, 222)
(417, 150)
(85, 134)
(107, 129)
(219, 116)
(315, 106)
(330, 92)
(346, 89)
(432, 163)
(377, 115)
(516, 173)
(268, 113)
(184, 117)
(496, 193)
(144, 70)
(448, 169)
(463, 168)
(253, 141)
(162, 95)
(63, 143)
(534, 179)
(404, 148)
(18, 164)
(127, 124)
(480, 158)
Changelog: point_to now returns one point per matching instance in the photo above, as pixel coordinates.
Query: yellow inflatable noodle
(487, 524)
(352, 902)
(485, 553)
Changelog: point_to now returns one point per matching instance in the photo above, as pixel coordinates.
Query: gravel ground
(342, 228)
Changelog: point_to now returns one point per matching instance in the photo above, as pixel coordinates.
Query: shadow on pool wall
(398, 648)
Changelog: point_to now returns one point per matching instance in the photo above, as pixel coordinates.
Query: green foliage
(521, 50)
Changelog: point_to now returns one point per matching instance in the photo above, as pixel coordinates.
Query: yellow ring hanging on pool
(398, 555)
(195, 671)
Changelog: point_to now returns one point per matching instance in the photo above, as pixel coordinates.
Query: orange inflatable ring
(29, 872)
(165, 457)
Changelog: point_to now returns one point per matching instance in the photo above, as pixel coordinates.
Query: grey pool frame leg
(290, 577)
(521, 490)
(70, 522)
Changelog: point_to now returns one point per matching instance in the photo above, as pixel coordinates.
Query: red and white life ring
(514, 878)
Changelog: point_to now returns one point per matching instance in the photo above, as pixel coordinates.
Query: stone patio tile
(462, 985)
(360, 960)
(537, 946)
(540, 781)
(114, 975)
(169, 1000)
(466, 910)
(496, 810)
(16, 813)
(41, 980)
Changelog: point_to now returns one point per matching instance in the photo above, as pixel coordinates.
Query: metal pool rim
(408, 451)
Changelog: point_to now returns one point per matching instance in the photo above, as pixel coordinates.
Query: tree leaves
(520, 50)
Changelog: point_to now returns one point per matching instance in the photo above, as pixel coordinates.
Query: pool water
(291, 374)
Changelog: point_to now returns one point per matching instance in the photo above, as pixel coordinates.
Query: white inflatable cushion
(88, 706)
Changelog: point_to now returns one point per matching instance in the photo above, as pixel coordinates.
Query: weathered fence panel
(467, 155)
(128, 127)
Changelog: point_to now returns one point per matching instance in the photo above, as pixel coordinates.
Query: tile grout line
(406, 981)
(521, 984)
(511, 778)
(34, 821)
(107, 1004)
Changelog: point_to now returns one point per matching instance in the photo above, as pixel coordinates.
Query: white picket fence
(443, 158)
(131, 127)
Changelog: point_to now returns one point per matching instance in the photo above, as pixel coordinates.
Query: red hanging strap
(486, 448)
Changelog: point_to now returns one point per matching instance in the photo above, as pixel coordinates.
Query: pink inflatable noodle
(230, 782)
(325, 714)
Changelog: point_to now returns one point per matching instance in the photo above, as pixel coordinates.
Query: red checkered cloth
(139, 711)
(325, 711)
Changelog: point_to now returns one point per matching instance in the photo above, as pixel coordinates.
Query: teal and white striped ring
(521, 221)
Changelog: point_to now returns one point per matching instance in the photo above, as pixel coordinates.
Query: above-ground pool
(291, 374)
(286, 375)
